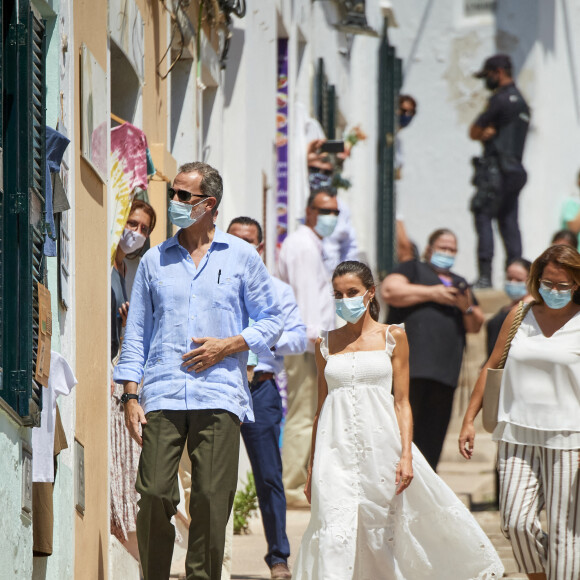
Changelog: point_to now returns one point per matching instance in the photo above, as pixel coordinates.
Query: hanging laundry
(56, 145)
(60, 382)
(150, 165)
(48, 441)
(128, 171)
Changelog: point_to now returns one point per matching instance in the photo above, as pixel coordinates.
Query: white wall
(249, 116)
(441, 49)
(16, 539)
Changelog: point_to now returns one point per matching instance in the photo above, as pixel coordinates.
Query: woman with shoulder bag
(538, 427)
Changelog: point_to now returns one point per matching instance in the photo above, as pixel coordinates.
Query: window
(477, 7)
(325, 101)
(22, 208)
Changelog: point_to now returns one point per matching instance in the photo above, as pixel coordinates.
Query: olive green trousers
(213, 439)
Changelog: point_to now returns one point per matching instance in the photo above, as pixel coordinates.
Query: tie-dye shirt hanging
(128, 171)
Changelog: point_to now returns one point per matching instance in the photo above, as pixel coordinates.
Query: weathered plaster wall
(15, 546)
(441, 49)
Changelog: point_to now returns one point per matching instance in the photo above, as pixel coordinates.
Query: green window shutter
(325, 101)
(390, 77)
(1, 201)
(36, 190)
(23, 207)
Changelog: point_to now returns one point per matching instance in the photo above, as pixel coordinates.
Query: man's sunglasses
(182, 194)
(322, 211)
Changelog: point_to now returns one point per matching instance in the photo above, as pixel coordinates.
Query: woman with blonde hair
(538, 426)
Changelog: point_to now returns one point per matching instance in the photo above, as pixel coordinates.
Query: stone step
(491, 300)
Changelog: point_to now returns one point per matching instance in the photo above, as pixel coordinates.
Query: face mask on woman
(515, 290)
(131, 241)
(442, 261)
(180, 213)
(555, 299)
(351, 309)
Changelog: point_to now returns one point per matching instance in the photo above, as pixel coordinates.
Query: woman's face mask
(131, 241)
(351, 309)
(515, 290)
(442, 261)
(555, 299)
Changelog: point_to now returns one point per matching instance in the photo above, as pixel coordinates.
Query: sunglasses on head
(182, 194)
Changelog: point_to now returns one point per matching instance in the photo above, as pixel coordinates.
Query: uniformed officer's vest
(509, 142)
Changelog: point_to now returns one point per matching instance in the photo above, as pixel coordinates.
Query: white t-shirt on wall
(60, 382)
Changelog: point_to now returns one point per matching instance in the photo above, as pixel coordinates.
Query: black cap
(493, 63)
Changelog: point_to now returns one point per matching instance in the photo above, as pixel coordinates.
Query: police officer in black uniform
(499, 174)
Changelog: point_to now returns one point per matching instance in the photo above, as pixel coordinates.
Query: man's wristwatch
(468, 311)
(125, 397)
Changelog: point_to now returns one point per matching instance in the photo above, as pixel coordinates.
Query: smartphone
(461, 286)
(332, 147)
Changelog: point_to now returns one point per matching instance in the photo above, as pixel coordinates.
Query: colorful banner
(282, 143)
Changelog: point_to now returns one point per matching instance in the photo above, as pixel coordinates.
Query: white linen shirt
(301, 265)
(173, 301)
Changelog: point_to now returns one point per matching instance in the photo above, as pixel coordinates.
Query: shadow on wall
(234, 60)
(39, 568)
(180, 78)
(518, 30)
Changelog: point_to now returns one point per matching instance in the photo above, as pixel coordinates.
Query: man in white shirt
(301, 264)
(341, 245)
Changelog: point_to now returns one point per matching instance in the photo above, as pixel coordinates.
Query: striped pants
(530, 479)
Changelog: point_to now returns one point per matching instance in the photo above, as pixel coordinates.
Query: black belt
(259, 378)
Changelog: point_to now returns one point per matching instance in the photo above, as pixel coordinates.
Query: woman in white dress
(378, 510)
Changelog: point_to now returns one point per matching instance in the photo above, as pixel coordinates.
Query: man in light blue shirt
(187, 337)
(262, 437)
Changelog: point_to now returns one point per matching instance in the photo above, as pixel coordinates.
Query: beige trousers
(302, 402)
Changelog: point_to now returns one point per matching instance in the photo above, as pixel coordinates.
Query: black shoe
(482, 283)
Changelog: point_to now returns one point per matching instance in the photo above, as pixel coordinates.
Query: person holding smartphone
(438, 308)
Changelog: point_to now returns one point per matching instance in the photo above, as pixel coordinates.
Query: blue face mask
(325, 225)
(555, 299)
(351, 309)
(180, 214)
(404, 120)
(442, 261)
(515, 290)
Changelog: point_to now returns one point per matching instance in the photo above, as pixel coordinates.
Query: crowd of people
(199, 342)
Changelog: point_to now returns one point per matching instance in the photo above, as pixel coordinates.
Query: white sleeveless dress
(359, 529)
